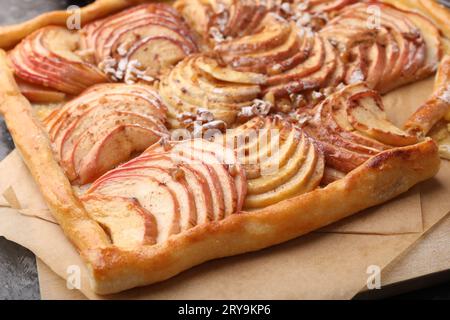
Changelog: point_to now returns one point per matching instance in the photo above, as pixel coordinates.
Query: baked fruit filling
(140, 43)
(385, 49)
(200, 82)
(351, 126)
(103, 127)
(169, 189)
(47, 58)
(136, 45)
(280, 160)
(295, 59)
(284, 95)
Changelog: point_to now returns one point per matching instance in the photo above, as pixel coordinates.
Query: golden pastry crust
(437, 106)
(113, 269)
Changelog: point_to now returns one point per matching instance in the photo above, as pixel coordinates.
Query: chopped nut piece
(258, 108)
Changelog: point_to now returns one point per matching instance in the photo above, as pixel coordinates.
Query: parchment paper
(331, 263)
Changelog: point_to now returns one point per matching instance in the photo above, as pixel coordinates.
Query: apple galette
(165, 135)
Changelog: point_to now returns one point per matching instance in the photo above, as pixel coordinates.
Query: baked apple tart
(164, 135)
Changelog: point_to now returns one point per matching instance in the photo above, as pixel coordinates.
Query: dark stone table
(18, 274)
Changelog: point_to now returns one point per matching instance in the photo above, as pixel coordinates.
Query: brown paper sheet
(319, 265)
(429, 255)
(53, 287)
(14, 174)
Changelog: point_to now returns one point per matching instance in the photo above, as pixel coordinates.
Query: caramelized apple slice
(306, 178)
(367, 116)
(151, 194)
(103, 127)
(211, 67)
(192, 174)
(187, 88)
(404, 47)
(140, 43)
(39, 94)
(48, 58)
(126, 222)
(351, 126)
(157, 54)
(170, 181)
(93, 157)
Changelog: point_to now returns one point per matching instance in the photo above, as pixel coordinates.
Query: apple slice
(222, 161)
(268, 148)
(228, 187)
(103, 127)
(187, 88)
(205, 172)
(351, 126)
(193, 183)
(404, 47)
(272, 33)
(170, 181)
(39, 94)
(230, 18)
(111, 26)
(141, 43)
(326, 6)
(256, 58)
(151, 194)
(157, 54)
(142, 99)
(339, 146)
(197, 14)
(269, 181)
(366, 115)
(230, 162)
(48, 57)
(306, 178)
(241, 15)
(91, 157)
(198, 179)
(178, 185)
(266, 186)
(127, 223)
(211, 67)
(150, 27)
